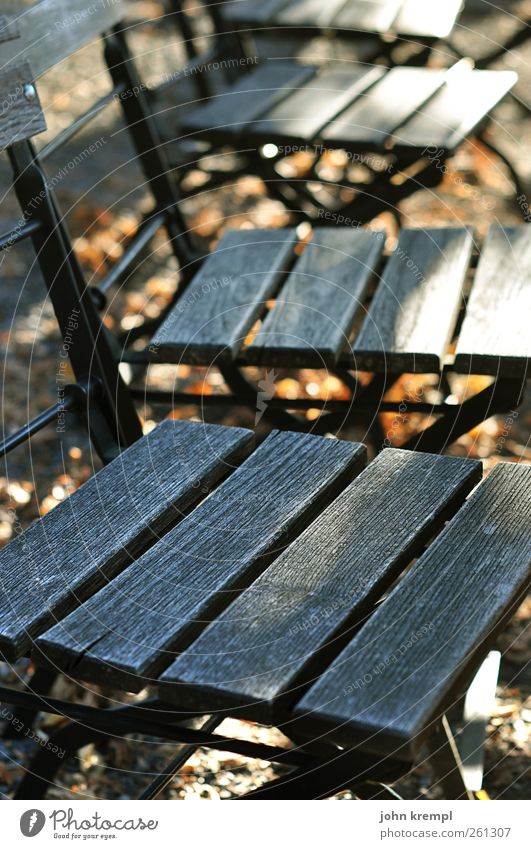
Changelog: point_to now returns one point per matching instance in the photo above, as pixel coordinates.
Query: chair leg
(41, 682)
(46, 764)
(446, 762)
(478, 705)
(499, 397)
(340, 772)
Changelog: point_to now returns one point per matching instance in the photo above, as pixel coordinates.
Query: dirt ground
(477, 191)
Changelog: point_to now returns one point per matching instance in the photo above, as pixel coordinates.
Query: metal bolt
(30, 92)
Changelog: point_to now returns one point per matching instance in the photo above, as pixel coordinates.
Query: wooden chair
(341, 305)
(263, 602)
(125, 573)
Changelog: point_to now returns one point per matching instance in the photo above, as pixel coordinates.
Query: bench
(264, 299)
(264, 601)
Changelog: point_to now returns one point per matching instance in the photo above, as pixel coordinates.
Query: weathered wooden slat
(311, 320)
(369, 15)
(462, 103)
(304, 112)
(413, 314)
(495, 337)
(21, 115)
(72, 551)
(281, 632)
(436, 626)
(376, 115)
(8, 29)
(251, 97)
(131, 630)
(51, 30)
(428, 18)
(214, 315)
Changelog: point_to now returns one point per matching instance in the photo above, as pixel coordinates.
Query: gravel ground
(476, 191)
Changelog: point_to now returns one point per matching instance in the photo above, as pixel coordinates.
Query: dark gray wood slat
(20, 117)
(368, 15)
(214, 315)
(72, 551)
(495, 337)
(132, 628)
(456, 110)
(251, 11)
(248, 99)
(311, 320)
(427, 18)
(434, 629)
(374, 116)
(307, 13)
(413, 314)
(281, 632)
(51, 30)
(8, 29)
(304, 112)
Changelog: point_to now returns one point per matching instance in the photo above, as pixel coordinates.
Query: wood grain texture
(20, 118)
(377, 114)
(457, 109)
(254, 93)
(436, 625)
(86, 540)
(495, 337)
(429, 18)
(413, 314)
(211, 320)
(8, 28)
(284, 630)
(311, 320)
(131, 630)
(304, 112)
(51, 30)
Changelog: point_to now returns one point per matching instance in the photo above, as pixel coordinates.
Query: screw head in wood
(30, 92)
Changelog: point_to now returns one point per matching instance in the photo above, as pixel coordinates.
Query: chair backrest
(39, 37)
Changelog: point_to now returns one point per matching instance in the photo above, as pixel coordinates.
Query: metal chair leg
(41, 682)
(446, 762)
(478, 705)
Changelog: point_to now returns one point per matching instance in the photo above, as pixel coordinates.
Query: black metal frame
(319, 770)
(319, 767)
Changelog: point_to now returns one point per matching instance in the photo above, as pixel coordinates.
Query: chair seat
(258, 301)
(352, 106)
(264, 600)
(420, 18)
